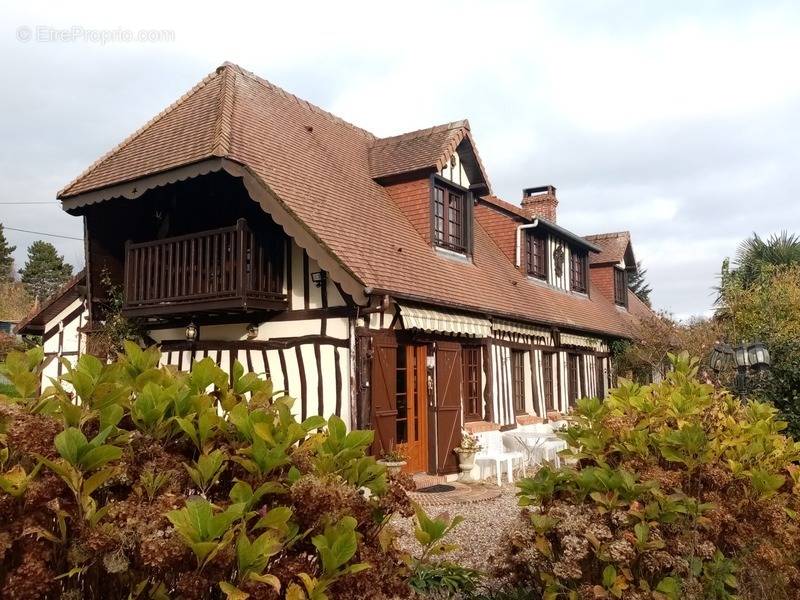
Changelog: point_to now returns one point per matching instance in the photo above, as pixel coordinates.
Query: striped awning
(568, 339)
(427, 319)
(521, 329)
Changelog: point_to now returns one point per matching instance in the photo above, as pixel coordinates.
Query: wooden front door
(399, 399)
(448, 405)
(412, 403)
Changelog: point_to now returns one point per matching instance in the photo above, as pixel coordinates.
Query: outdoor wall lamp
(722, 357)
(318, 278)
(191, 332)
(745, 357)
(758, 356)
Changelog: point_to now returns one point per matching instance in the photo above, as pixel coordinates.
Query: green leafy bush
(431, 576)
(130, 480)
(675, 490)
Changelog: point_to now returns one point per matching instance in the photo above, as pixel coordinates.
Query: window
(518, 380)
(471, 364)
(536, 254)
(577, 271)
(620, 286)
(573, 378)
(401, 396)
(547, 381)
(451, 218)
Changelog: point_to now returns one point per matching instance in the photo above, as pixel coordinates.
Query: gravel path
(478, 537)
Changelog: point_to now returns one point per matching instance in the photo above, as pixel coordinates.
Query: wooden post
(241, 228)
(127, 275)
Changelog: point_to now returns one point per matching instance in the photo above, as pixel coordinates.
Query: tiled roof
(323, 170)
(639, 309)
(612, 246)
(506, 206)
(35, 321)
(426, 150)
(416, 150)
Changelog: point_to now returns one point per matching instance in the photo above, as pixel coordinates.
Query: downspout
(519, 238)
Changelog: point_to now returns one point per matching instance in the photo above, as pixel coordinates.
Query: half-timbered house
(375, 278)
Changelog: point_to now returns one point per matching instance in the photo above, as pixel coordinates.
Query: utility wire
(51, 203)
(55, 235)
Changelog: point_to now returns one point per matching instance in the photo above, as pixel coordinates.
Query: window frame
(573, 378)
(468, 352)
(578, 271)
(401, 376)
(548, 382)
(536, 247)
(444, 237)
(620, 287)
(518, 382)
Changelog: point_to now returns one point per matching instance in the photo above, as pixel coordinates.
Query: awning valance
(522, 329)
(437, 321)
(568, 339)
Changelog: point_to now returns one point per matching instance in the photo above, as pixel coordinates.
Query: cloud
(677, 121)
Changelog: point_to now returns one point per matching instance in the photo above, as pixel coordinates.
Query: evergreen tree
(637, 283)
(45, 270)
(6, 260)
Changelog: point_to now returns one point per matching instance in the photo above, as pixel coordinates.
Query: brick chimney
(540, 202)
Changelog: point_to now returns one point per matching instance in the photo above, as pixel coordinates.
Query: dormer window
(452, 217)
(536, 255)
(577, 271)
(620, 287)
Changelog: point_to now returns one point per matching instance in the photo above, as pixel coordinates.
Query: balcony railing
(223, 270)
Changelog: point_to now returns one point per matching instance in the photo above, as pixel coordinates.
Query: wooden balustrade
(220, 270)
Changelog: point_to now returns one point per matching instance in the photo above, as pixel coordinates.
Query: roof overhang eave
(573, 237)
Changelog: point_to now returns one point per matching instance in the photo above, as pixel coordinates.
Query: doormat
(436, 489)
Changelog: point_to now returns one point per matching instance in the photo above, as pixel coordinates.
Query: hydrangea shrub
(675, 490)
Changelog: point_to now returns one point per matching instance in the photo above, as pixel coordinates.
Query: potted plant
(394, 460)
(466, 452)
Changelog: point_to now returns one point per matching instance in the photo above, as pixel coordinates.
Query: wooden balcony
(220, 272)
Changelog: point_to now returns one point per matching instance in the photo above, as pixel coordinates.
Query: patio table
(539, 447)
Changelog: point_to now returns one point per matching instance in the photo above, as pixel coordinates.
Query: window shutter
(384, 390)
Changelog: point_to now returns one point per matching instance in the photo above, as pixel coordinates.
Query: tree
(655, 338)
(6, 260)
(638, 284)
(755, 254)
(45, 270)
(768, 310)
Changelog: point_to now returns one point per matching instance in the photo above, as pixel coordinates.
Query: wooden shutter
(384, 388)
(448, 405)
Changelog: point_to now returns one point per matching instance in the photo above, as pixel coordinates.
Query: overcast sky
(679, 121)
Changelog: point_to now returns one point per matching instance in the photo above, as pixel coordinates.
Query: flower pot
(466, 462)
(393, 467)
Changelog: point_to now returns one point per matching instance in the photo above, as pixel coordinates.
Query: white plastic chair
(493, 451)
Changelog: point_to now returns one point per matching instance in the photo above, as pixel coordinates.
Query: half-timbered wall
(305, 351)
(315, 373)
(502, 392)
(62, 338)
(558, 280)
(454, 171)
